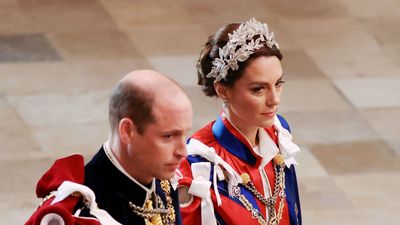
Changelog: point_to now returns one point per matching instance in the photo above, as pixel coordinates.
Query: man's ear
(221, 91)
(126, 129)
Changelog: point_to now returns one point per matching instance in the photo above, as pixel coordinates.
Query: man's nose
(181, 150)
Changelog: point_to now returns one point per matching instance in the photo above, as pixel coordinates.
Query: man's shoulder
(97, 164)
(94, 172)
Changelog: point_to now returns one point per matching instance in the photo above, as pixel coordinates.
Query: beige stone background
(60, 58)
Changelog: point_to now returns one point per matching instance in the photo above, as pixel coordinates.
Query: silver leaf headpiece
(240, 46)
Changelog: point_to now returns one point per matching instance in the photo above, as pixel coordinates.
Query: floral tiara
(229, 56)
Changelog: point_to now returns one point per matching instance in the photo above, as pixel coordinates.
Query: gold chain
(147, 211)
(47, 197)
(158, 216)
(170, 217)
(254, 212)
(279, 190)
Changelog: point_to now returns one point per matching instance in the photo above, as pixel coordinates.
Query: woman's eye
(257, 89)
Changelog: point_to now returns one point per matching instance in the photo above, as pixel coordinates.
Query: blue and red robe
(232, 147)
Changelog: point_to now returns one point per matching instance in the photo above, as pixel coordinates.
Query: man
(133, 175)
(149, 116)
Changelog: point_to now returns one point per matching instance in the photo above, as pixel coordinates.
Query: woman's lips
(268, 114)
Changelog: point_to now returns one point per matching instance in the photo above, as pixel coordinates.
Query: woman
(240, 167)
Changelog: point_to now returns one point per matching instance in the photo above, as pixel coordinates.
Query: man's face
(158, 151)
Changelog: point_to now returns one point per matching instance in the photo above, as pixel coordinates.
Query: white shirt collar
(287, 148)
(267, 148)
(114, 161)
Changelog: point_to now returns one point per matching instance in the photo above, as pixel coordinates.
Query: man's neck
(113, 153)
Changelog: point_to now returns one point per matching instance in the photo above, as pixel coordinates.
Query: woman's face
(254, 98)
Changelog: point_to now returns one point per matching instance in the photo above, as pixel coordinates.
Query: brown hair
(210, 51)
(130, 101)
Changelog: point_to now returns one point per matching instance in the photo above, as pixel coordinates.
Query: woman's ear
(221, 91)
(126, 129)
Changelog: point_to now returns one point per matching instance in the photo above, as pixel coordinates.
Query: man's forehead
(171, 110)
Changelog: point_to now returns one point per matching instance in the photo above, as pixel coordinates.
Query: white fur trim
(52, 219)
(68, 187)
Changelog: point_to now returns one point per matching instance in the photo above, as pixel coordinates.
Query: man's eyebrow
(173, 131)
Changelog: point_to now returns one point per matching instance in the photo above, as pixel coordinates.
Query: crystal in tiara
(240, 46)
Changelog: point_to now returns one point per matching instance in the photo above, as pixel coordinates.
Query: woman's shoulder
(283, 122)
(201, 142)
(204, 134)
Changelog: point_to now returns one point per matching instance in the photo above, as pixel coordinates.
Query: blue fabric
(114, 191)
(234, 146)
(292, 196)
(223, 185)
(291, 190)
(220, 221)
(284, 123)
(223, 190)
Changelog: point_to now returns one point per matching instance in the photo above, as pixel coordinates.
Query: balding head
(137, 93)
(149, 80)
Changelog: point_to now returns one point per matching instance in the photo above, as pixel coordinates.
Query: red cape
(70, 168)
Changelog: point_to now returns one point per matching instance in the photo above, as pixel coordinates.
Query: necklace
(160, 215)
(279, 190)
(254, 212)
(150, 215)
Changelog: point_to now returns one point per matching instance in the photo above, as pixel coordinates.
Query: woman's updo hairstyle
(210, 52)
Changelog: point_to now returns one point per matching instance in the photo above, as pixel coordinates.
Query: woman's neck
(249, 132)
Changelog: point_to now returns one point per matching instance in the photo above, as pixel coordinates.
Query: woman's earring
(225, 103)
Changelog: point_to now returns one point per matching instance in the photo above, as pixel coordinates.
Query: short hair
(130, 101)
(210, 51)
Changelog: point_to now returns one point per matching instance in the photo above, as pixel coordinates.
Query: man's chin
(166, 176)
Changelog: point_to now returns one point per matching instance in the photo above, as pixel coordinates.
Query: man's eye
(279, 83)
(168, 136)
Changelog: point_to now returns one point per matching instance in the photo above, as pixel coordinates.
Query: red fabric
(70, 168)
(230, 211)
(191, 213)
(269, 169)
(62, 209)
(272, 133)
(242, 139)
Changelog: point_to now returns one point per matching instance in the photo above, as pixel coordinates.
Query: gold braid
(161, 215)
